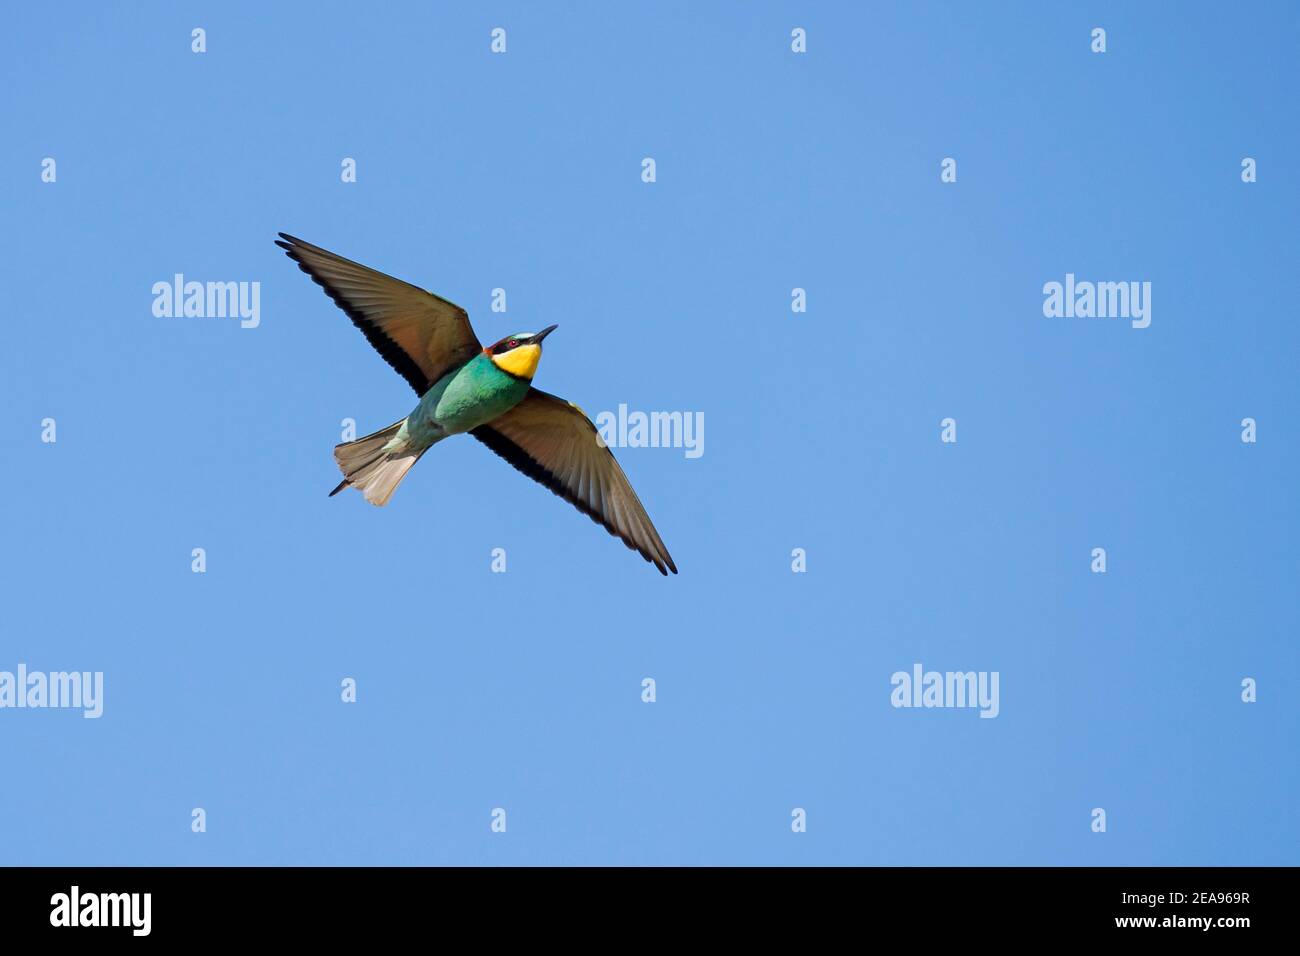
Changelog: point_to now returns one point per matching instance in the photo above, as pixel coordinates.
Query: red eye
(511, 344)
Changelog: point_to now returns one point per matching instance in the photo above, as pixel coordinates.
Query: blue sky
(775, 170)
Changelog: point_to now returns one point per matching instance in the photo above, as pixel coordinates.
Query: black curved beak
(537, 339)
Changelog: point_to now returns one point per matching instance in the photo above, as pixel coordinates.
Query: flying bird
(464, 387)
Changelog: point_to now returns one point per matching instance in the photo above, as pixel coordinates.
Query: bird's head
(519, 354)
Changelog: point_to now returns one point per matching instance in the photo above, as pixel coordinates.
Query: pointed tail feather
(369, 467)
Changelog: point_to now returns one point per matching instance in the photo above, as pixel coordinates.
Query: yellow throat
(521, 361)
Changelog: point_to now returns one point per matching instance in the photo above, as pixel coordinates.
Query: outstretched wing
(553, 442)
(419, 334)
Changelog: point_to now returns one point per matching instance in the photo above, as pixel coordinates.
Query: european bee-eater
(464, 387)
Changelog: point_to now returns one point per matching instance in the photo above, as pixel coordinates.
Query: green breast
(476, 394)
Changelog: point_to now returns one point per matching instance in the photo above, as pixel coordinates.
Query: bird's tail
(369, 467)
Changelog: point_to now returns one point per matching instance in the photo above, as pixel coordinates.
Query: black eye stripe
(506, 345)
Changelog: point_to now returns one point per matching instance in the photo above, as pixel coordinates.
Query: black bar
(209, 905)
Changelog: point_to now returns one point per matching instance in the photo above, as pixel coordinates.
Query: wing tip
(664, 564)
(292, 245)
